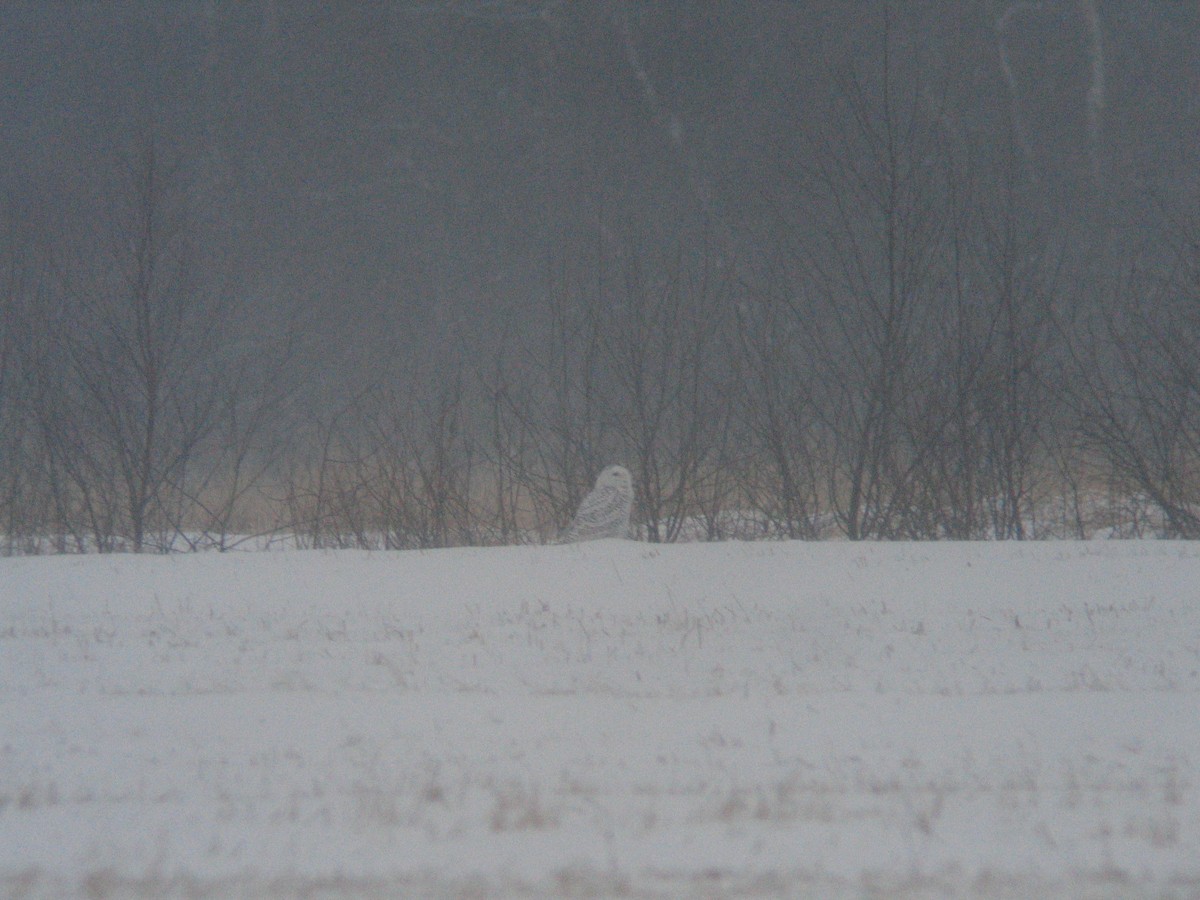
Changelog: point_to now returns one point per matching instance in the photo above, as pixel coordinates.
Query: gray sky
(398, 169)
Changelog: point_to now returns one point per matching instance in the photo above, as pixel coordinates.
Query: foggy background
(403, 192)
(394, 168)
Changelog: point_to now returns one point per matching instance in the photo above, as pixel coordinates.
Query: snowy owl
(604, 513)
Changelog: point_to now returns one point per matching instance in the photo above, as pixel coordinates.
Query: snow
(605, 719)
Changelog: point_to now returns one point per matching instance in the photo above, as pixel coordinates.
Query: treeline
(903, 349)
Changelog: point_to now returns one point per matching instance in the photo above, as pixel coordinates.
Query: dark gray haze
(895, 266)
(395, 167)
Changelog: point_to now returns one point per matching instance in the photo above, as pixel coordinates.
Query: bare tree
(661, 325)
(978, 419)
(781, 473)
(507, 444)
(864, 271)
(245, 446)
(558, 400)
(21, 497)
(140, 335)
(309, 486)
(1139, 390)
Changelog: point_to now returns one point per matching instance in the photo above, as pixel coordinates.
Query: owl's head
(615, 476)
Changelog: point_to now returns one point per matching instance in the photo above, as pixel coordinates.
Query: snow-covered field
(606, 719)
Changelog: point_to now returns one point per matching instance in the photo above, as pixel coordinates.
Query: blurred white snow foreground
(606, 719)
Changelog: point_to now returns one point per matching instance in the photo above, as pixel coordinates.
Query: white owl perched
(604, 513)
